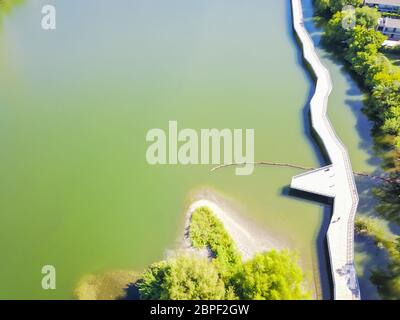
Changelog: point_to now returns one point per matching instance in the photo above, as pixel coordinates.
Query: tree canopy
(207, 231)
(271, 275)
(182, 278)
(327, 7)
(361, 46)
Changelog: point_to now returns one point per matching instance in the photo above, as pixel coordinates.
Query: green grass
(386, 277)
(369, 227)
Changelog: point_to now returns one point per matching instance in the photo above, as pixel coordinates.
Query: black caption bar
(194, 309)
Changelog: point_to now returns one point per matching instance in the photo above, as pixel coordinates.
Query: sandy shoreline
(248, 237)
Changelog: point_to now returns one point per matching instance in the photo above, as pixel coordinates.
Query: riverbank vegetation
(222, 274)
(270, 275)
(7, 5)
(353, 37)
(361, 48)
(185, 277)
(386, 278)
(206, 231)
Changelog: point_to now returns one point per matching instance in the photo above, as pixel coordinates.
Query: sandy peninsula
(249, 237)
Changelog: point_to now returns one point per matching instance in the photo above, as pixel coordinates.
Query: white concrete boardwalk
(338, 181)
(319, 181)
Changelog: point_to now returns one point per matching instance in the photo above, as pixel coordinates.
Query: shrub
(182, 278)
(361, 47)
(271, 276)
(207, 231)
(327, 7)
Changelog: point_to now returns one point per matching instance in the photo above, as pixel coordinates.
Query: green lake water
(76, 103)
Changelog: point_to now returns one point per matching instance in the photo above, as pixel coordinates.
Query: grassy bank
(386, 277)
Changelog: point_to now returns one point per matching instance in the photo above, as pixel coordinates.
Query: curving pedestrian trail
(335, 180)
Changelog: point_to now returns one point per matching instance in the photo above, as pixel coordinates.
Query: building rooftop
(390, 23)
(384, 2)
(391, 43)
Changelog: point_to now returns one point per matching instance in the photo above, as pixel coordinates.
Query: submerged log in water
(296, 166)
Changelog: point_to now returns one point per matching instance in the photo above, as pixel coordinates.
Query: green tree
(182, 278)
(378, 69)
(334, 32)
(207, 231)
(392, 121)
(363, 40)
(363, 46)
(338, 5)
(367, 17)
(389, 199)
(152, 283)
(323, 7)
(271, 276)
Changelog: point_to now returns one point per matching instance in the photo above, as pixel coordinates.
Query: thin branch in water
(277, 164)
(295, 166)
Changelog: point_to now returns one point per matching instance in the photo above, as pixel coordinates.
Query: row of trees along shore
(361, 48)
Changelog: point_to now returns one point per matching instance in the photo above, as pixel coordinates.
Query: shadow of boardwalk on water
(323, 274)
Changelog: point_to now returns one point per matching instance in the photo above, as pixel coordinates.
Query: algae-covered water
(76, 103)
